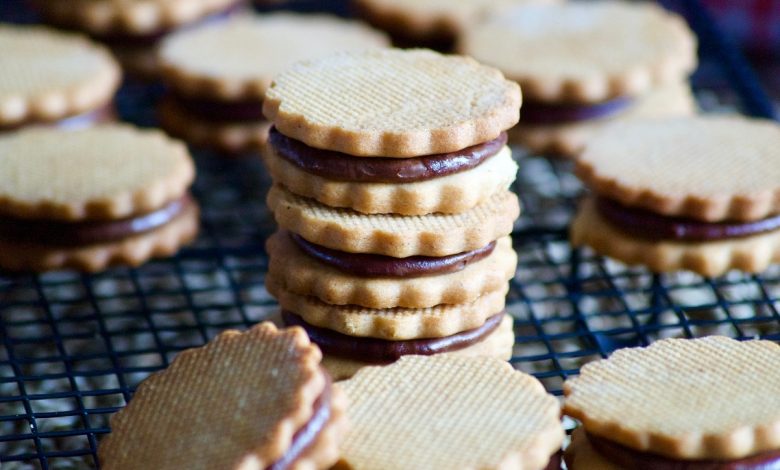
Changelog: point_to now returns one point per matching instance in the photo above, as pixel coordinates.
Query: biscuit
(228, 409)
(584, 52)
(47, 75)
(449, 412)
(402, 103)
(709, 398)
(391, 234)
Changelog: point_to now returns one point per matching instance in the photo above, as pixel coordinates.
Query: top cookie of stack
(392, 178)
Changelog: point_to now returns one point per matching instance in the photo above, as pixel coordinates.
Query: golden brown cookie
(449, 412)
(47, 76)
(401, 103)
(712, 398)
(242, 401)
(391, 234)
(584, 52)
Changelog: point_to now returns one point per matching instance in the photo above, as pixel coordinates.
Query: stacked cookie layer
(391, 193)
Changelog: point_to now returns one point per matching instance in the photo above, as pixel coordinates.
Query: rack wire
(75, 346)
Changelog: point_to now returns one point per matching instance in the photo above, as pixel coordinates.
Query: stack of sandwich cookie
(697, 404)
(134, 28)
(87, 199)
(391, 193)
(54, 79)
(252, 400)
(449, 412)
(217, 75)
(584, 64)
(689, 193)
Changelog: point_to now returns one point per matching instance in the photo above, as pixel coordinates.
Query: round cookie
(251, 413)
(47, 76)
(710, 399)
(449, 412)
(402, 103)
(584, 52)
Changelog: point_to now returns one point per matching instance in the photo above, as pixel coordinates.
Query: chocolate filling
(105, 113)
(220, 111)
(89, 232)
(369, 265)
(343, 167)
(381, 351)
(555, 462)
(626, 457)
(647, 224)
(536, 112)
(305, 436)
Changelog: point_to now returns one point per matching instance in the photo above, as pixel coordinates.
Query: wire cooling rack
(74, 347)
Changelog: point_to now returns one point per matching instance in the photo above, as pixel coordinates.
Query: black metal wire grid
(74, 346)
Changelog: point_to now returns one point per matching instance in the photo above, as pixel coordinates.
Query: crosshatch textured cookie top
(46, 75)
(394, 103)
(709, 168)
(240, 57)
(105, 172)
(584, 51)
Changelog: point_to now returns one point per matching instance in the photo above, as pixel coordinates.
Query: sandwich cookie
(54, 79)
(450, 412)
(391, 192)
(92, 198)
(217, 75)
(698, 193)
(584, 64)
(252, 400)
(708, 403)
(134, 28)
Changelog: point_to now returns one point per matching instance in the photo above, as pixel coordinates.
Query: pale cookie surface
(227, 137)
(569, 139)
(449, 412)
(584, 51)
(395, 324)
(708, 167)
(580, 455)
(304, 275)
(46, 75)
(751, 254)
(105, 172)
(498, 344)
(709, 398)
(392, 103)
(129, 251)
(450, 194)
(129, 16)
(392, 234)
(237, 59)
(234, 403)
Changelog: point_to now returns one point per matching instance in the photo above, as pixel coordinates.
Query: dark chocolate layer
(380, 351)
(104, 114)
(305, 436)
(535, 112)
(647, 224)
(221, 111)
(626, 457)
(91, 232)
(343, 167)
(369, 265)
(555, 462)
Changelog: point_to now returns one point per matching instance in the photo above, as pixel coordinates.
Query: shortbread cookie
(402, 103)
(391, 234)
(450, 183)
(568, 139)
(709, 168)
(302, 274)
(710, 400)
(47, 76)
(584, 52)
(257, 399)
(92, 198)
(449, 412)
(237, 59)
